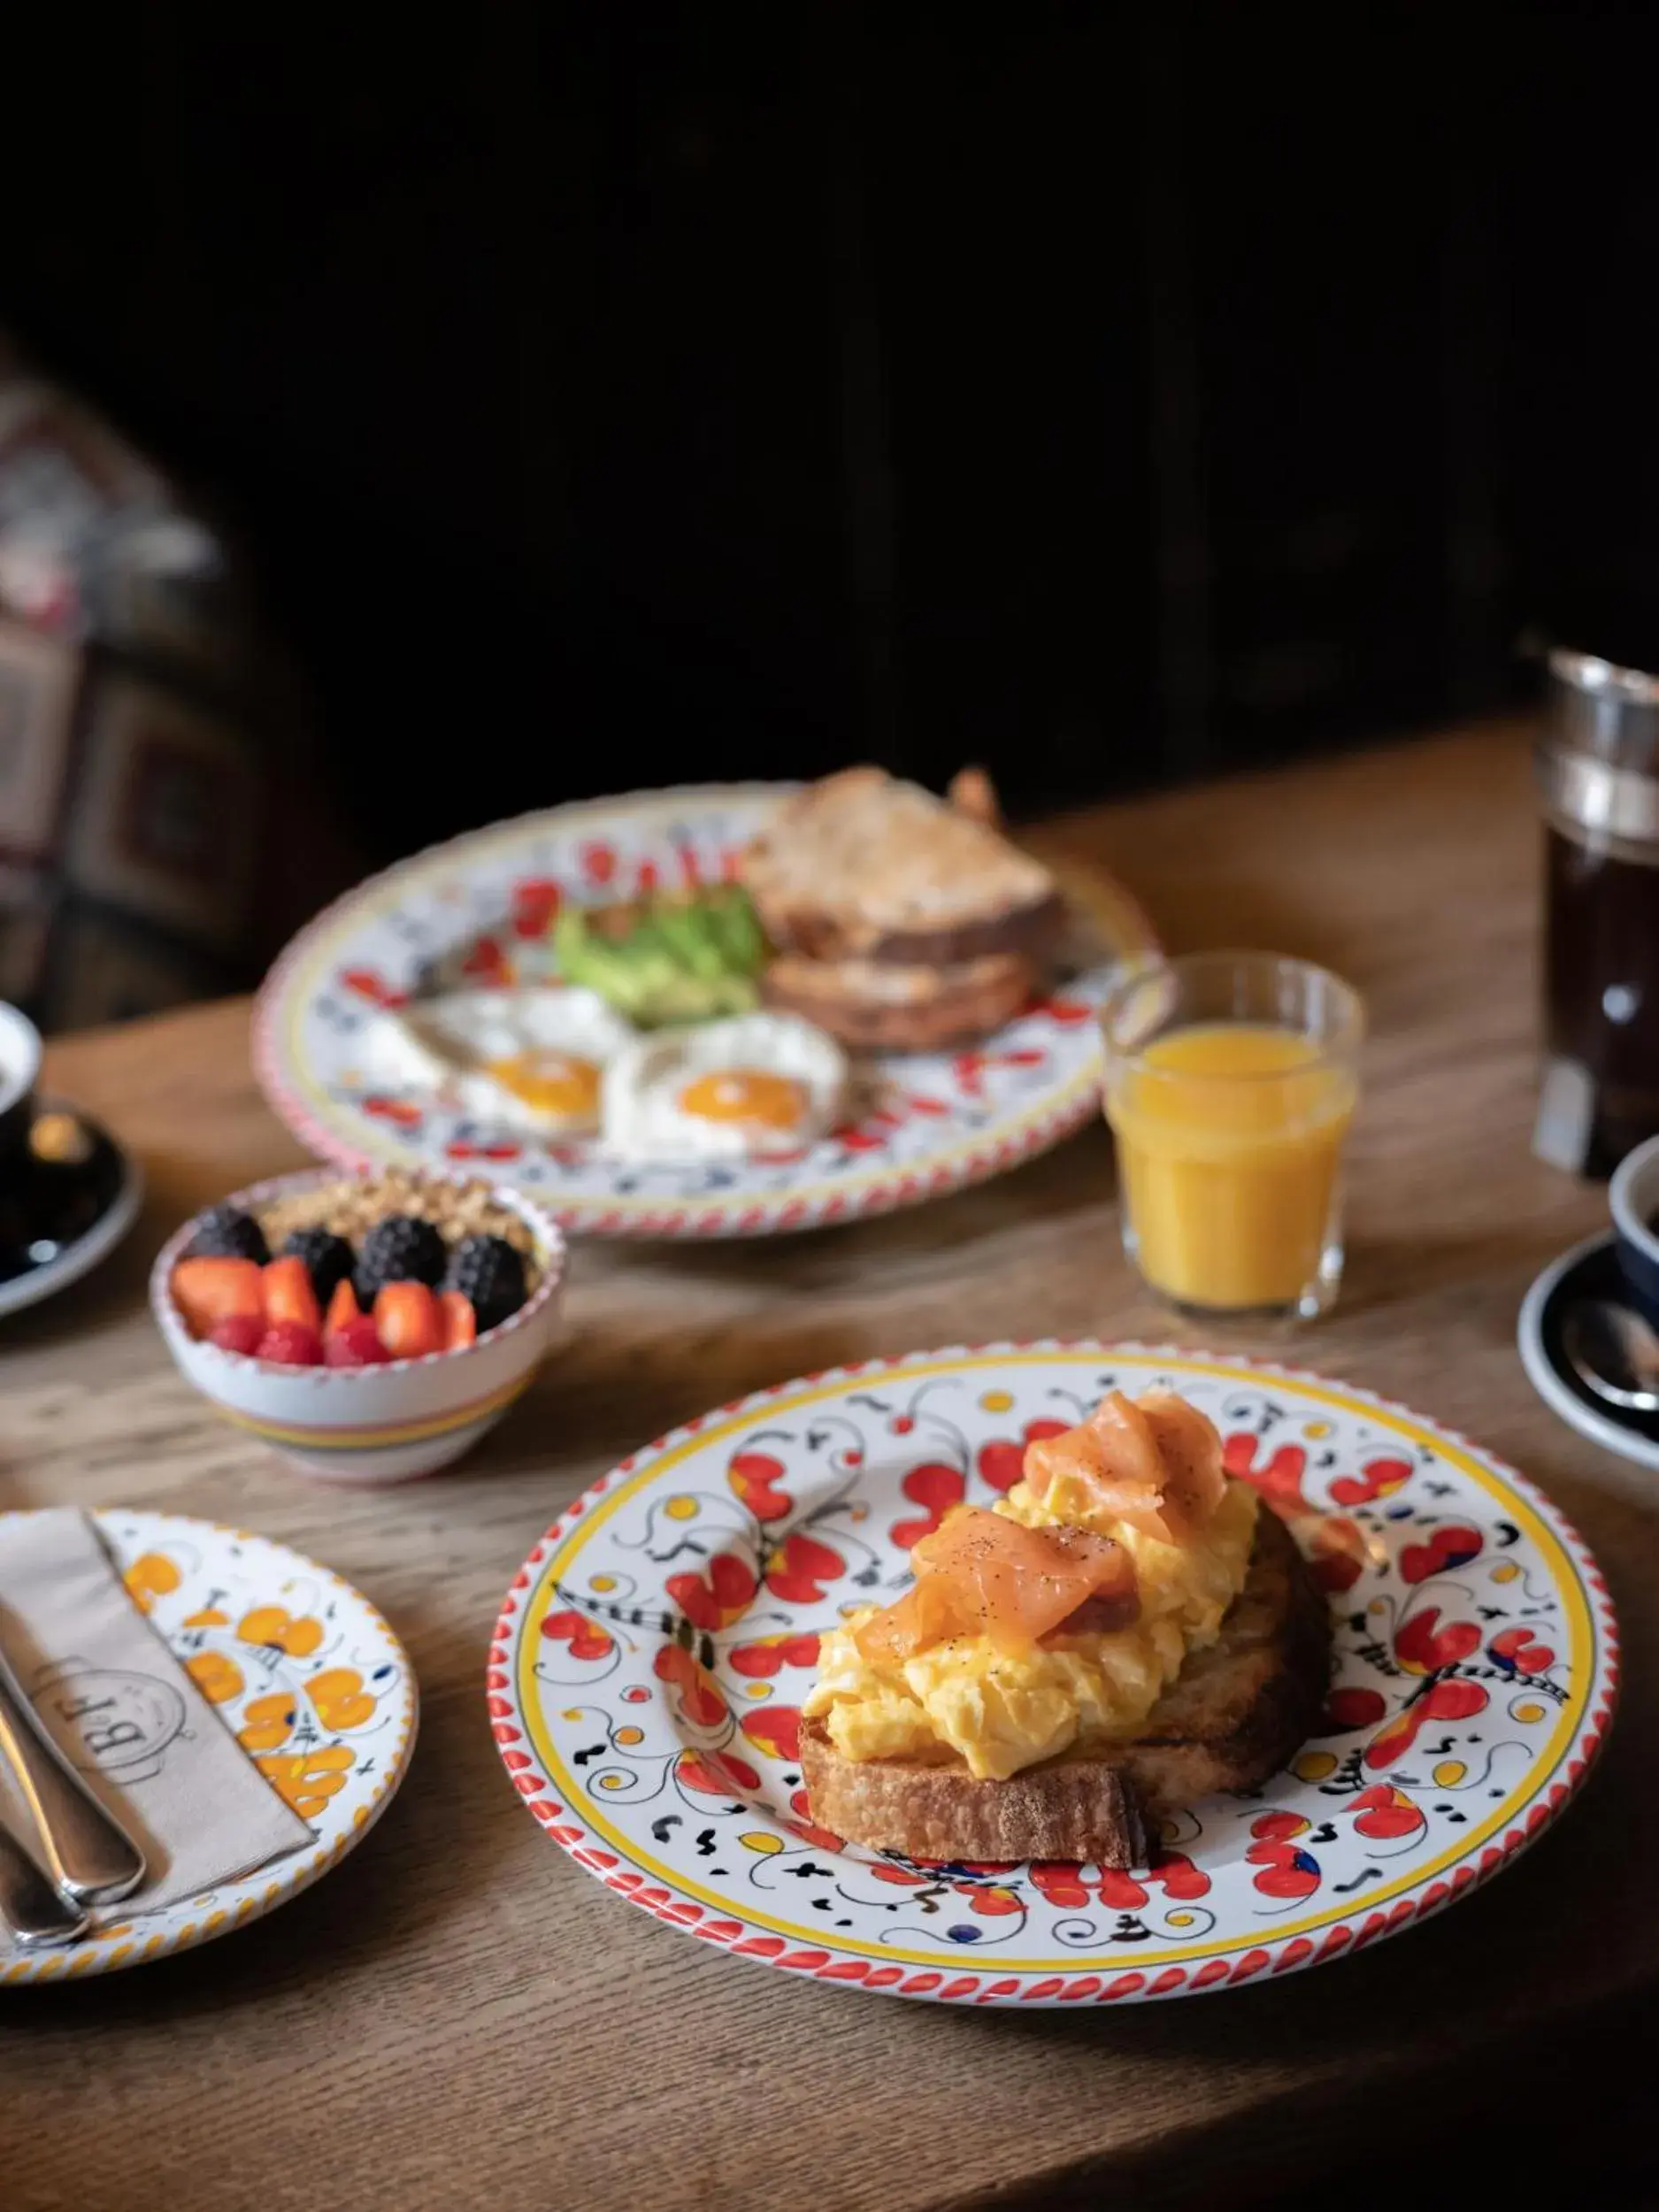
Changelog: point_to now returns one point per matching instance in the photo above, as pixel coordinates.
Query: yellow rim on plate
(1276, 1884)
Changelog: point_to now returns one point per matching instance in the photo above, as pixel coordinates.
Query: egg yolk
(776, 1102)
(549, 1082)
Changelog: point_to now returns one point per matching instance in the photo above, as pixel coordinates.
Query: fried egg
(737, 1089)
(531, 1058)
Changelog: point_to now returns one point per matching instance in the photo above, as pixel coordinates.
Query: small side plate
(304, 1673)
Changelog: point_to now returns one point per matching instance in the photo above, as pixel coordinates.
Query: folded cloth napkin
(127, 1714)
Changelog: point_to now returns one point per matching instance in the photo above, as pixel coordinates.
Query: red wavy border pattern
(1286, 1956)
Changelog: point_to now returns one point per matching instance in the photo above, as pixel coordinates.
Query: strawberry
(458, 1321)
(237, 1332)
(291, 1344)
(210, 1290)
(288, 1295)
(356, 1343)
(406, 1314)
(342, 1307)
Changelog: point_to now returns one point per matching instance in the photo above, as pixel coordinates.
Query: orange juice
(1228, 1138)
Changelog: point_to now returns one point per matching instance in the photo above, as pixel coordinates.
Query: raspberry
(237, 1332)
(356, 1343)
(227, 1233)
(292, 1344)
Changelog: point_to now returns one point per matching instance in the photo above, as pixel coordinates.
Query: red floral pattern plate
(649, 1667)
(480, 908)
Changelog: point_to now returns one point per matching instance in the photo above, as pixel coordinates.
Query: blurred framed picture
(37, 693)
(24, 913)
(166, 813)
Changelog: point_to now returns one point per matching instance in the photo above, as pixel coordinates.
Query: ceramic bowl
(1634, 1197)
(371, 1425)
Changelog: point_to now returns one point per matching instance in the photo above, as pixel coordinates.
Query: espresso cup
(1633, 1195)
(19, 1070)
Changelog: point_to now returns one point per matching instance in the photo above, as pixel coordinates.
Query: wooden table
(458, 2016)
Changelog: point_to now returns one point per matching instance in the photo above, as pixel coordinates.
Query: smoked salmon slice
(981, 1574)
(1154, 1464)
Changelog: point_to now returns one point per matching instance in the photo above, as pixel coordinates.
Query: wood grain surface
(458, 2015)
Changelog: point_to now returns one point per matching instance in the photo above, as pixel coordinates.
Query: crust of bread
(876, 1006)
(1232, 1717)
(864, 866)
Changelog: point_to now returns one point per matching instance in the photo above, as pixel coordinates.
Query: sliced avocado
(665, 960)
(739, 928)
(693, 934)
(587, 957)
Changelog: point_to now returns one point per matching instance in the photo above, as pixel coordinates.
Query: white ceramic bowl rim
(19, 1055)
(549, 1239)
(1633, 1192)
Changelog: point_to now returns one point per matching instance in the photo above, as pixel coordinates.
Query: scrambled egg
(1001, 1712)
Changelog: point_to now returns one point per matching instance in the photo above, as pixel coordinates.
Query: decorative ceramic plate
(1590, 1270)
(652, 1656)
(480, 908)
(307, 1676)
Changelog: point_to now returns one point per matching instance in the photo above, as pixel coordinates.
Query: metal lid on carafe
(1598, 761)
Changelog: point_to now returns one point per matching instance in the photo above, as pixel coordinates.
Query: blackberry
(328, 1259)
(489, 1272)
(227, 1233)
(400, 1250)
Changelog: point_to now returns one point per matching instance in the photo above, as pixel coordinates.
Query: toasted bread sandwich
(879, 1006)
(1127, 1631)
(862, 866)
(1234, 1714)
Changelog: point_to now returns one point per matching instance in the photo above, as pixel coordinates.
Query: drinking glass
(1230, 1080)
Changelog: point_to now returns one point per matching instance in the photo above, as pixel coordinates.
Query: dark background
(1111, 394)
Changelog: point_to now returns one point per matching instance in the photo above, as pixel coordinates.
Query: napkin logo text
(110, 1719)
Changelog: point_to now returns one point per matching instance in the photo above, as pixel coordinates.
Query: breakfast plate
(652, 1658)
(303, 1671)
(479, 910)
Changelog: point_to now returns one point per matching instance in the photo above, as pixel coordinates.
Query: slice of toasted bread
(879, 1007)
(1233, 1714)
(864, 866)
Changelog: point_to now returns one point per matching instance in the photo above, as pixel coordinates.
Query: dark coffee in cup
(1598, 773)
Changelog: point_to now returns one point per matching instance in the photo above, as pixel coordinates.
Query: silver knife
(36, 1912)
(88, 1854)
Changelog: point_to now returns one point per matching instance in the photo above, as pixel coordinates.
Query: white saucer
(80, 1257)
(1538, 1338)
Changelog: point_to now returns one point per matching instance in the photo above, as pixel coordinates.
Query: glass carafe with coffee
(1598, 773)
